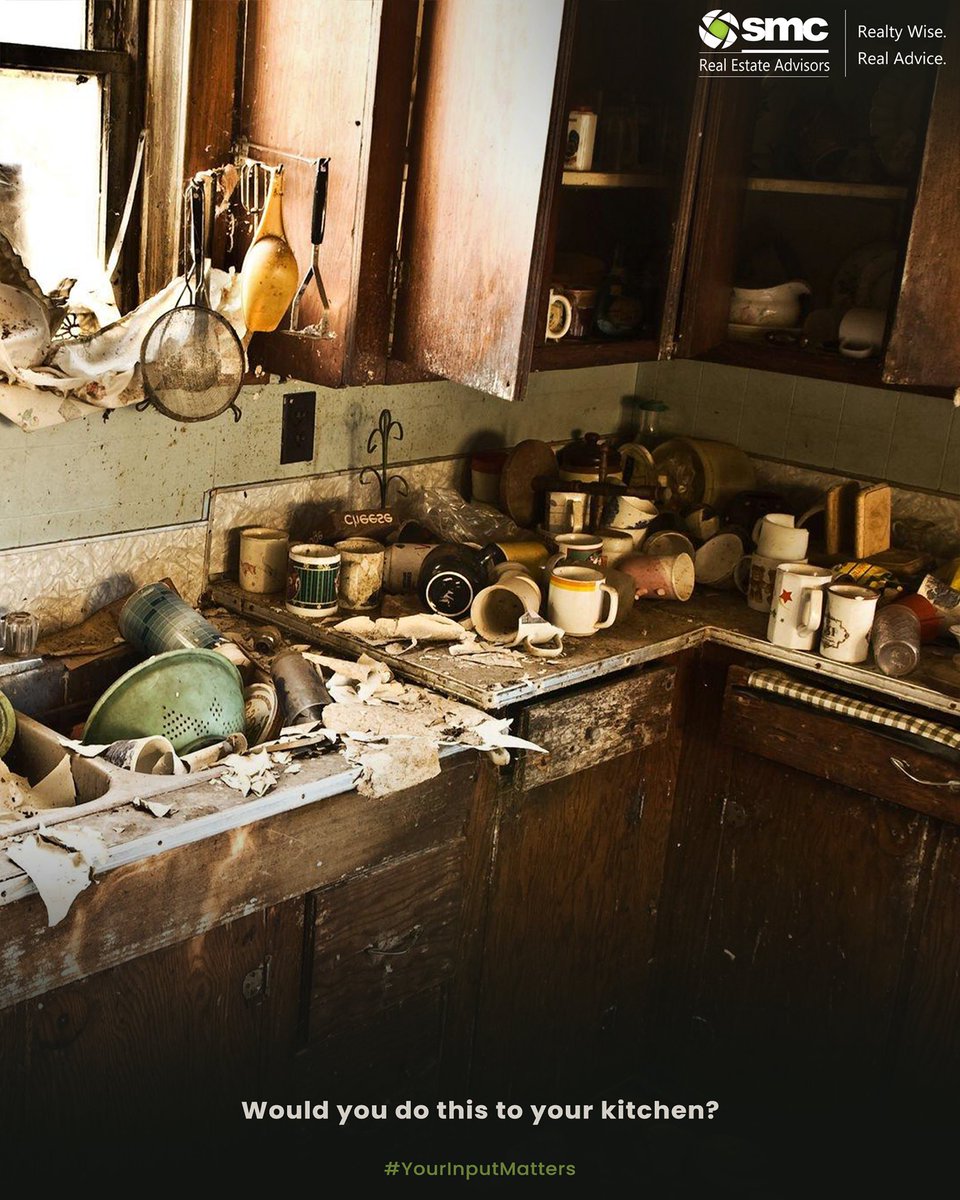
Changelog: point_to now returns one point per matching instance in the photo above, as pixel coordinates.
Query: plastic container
(896, 640)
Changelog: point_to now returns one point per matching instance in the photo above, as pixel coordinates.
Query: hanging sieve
(192, 361)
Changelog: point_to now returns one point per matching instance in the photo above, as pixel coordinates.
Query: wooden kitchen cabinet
(567, 970)
(356, 989)
(840, 183)
(807, 906)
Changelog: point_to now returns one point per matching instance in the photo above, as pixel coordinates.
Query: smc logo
(720, 29)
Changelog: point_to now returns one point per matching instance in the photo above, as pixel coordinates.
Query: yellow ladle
(269, 276)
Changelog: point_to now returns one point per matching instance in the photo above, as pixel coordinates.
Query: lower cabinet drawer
(839, 749)
(382, 938)
(594, 724)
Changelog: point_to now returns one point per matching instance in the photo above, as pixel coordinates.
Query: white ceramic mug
(559, 316)
(360, 589)
(575, 600)
(565, 512)
(617, 544)
(848, 623)
(797, 607)
(632, 513)
(776, 536)
(716, 560)
(861, 332)
(496, 610)
(263, 559)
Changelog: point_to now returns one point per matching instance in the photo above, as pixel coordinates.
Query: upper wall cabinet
(332, 80)
(815, 197)
(505, 205)
(456, 112)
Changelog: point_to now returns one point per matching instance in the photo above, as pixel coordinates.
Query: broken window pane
(50, 23)
(50, 172)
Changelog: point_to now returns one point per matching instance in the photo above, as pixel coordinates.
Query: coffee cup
(667, 542)
(263, 559)
(496, 609)
(565, 512)
(617, 544)
(716, 560)
(631, 513)
(755, 575)
(796, 610)
(313, 580)
(575, 600)
(848, 622)
(580, 548)
(861, 332)
(360, 590)
(660, 577)
(559, 316)
(776, 536)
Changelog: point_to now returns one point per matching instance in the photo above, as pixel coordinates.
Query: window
(70, 95)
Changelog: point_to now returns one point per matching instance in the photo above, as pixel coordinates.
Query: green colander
(8, 724)
(193, 698)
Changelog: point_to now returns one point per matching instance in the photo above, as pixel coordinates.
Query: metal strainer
(194, 698)
(191, 360)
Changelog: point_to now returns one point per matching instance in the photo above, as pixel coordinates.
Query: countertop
(652, 630)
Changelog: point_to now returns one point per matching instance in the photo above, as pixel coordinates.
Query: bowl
(192, 697)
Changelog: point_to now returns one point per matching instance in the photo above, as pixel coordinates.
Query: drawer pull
(399, 945)
(952, 784)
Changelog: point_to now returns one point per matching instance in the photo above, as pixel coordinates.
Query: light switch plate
(297, 427)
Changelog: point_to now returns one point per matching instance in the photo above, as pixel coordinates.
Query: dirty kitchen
(479, 582)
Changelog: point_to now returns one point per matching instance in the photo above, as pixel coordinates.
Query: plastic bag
(453, 519)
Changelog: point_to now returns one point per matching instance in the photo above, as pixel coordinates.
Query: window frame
(115, 55)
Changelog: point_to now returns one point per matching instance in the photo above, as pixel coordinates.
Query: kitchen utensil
(300, 688)
(254, 182)
(261, 713)
(797, 607)
(565, 512)
(777, 307)
(700, 471)
(191, 360)
(559, 316)
(661, 576)
(575, 600)
(755, 575)
(8, 724)
(861, 332)
(527, 461)
(847, 623)
(321, 327)
(715, 561)
(20, 633)
(192, 697)
(496, 609)
(896, 640)
(263, 559)
(155, 619)
(450, 576)
(776, 536)
(361, 575)
(269, 276)
(313, 580)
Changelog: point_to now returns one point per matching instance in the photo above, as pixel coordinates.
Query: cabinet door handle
(952, 784)
(398, 945)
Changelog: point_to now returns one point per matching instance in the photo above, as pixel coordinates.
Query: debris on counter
(417, 627)
(154, 807)
(384, 770)
(61, 864)
(250, 773)
(18, 798)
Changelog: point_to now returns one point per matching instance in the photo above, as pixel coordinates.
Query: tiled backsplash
(866, 433)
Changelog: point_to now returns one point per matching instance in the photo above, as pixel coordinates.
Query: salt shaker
(21, 630)
(896, 640)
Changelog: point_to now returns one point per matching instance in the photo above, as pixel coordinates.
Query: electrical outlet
(296, 433)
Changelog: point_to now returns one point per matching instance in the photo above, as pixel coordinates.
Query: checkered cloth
(783, 685)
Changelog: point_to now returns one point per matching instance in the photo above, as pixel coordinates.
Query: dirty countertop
(652, 630)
